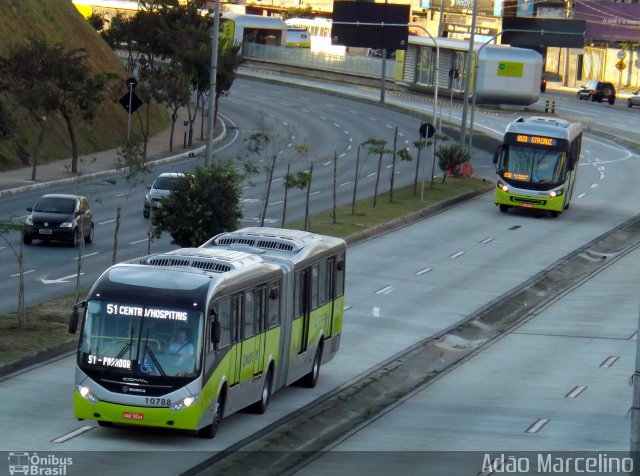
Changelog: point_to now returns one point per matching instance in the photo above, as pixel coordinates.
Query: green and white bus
(537, 164)
(183, 338)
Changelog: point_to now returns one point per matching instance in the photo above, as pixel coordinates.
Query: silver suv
(161, 187)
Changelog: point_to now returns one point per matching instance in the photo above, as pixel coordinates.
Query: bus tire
(555, 214)
(504, 208)
(106, 424)
(265, 396)
(210, 431)
(311, 379)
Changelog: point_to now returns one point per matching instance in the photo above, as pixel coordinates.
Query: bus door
(261, 327)
(250, 336)
(304, 310)
(234, 354)
(331, 295)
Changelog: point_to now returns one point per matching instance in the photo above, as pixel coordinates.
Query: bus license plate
(133, 416)
(527, 205)
(44, 231)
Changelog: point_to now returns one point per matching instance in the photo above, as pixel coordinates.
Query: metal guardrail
(305, 58)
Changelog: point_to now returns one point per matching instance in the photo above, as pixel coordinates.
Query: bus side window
(273, 306)
(261, 324)
(322, 283)
(340, 266)
(224, 318)
(249, 314)
(300, 294)
(314, 287)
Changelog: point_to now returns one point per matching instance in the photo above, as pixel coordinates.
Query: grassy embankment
(59, 22)
(47, 323)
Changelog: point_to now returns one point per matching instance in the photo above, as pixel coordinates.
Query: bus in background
(537, 164)
(182, 339)
(320, 31)
(107, 8)
(239, 28)
(298, 37)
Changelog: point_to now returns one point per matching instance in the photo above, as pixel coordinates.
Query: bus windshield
(535, 166)
(141, 339)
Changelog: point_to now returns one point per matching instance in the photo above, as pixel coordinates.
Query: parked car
(161, 187)
(60, 217)
(598, 91)
(634, 99)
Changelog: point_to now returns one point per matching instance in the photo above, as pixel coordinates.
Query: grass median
(45, 335)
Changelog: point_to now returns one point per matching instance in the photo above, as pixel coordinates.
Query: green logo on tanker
(510, 68)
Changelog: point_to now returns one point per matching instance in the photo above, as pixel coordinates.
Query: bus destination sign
(536, 140)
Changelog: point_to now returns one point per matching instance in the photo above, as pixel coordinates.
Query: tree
(5, 228)
(47, 78)
(7, 124)
(98, 21)
(265, 144)
(377, 146)
(171, 87)
(298, 12)
(206, 202)
(450, 157)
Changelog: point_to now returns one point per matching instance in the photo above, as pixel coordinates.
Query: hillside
(59, 22)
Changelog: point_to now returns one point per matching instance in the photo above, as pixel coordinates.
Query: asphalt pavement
(98, 164)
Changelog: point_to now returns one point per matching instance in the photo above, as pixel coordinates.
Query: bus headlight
(184, 403)
(87, 394)
(503, 186)
(556, 193)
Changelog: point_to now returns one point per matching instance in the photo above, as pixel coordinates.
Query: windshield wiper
(152, 355)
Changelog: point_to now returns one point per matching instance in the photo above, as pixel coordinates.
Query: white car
(161, 187)
(634, 99)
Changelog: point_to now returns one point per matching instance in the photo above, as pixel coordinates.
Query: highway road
(434, 273)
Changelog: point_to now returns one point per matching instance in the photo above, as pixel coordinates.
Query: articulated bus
(182, 339)
(537, 164)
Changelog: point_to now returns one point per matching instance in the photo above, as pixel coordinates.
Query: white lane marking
(581, 195)
(593, 185)
(537, 425)
(423, 271)
(60, 280)
(73, 434)
(385, 290)
(487, 240)
(345, 183)
(139, 241)
(105, 222)
(609, 361)
(577, 390)
(26, 272)
(457, 255)
(87, 255)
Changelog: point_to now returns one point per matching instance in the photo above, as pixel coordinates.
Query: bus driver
(182, 345)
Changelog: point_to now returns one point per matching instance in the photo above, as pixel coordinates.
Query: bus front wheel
(210, 431)
(504, 208)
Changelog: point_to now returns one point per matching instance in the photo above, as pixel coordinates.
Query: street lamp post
(212, 81)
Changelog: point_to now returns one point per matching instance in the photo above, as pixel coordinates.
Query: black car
(598, 91)
(60, 217)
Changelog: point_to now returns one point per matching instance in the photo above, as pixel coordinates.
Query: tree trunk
(393, 165)
(355, 184)
(375, 192)
(174, 118)
(36, 154)
(415, 178)
(335, 179)
(286, 190)
(307, 223)
(74, 142)
(266, 198)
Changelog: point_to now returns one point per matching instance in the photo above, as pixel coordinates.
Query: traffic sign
(622, 54)
(130, 99)
(621, 65)
(426, 130)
